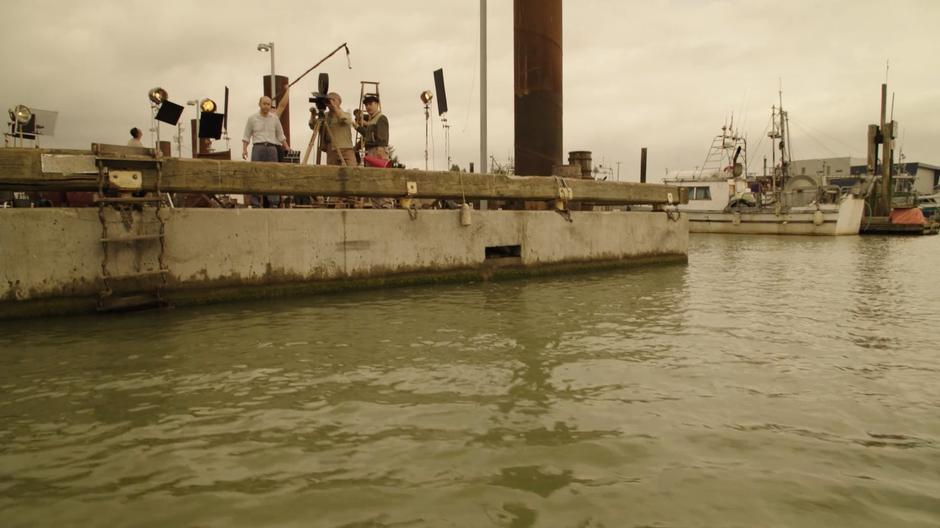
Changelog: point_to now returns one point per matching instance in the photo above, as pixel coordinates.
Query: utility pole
(887, 148)
(642, 165)
(483, 204)
(483, 87)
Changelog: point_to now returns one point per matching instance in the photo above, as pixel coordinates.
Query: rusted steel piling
(538, 86)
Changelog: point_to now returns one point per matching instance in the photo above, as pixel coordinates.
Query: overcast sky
(665, 74)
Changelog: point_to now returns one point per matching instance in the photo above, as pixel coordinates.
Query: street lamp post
(269, 47)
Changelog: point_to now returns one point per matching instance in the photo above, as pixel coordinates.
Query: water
(771, 382)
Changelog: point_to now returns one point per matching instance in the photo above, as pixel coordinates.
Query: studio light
(426, 97)
(163, 111)
(207, 105)
(21, 114)
(157, 95)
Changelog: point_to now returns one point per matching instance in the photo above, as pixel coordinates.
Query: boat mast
(784, 143)
(774, 134)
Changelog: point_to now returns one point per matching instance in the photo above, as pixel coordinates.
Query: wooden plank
(21, 169)
(106, 150)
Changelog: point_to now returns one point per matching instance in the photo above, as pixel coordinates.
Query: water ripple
(772, 382)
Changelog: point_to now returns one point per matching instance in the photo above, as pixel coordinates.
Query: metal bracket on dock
(124, 180)
(565, 195)
(566, 214)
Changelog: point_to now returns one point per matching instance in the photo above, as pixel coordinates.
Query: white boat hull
(844, 218)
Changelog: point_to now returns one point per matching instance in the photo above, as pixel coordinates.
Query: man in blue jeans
(263, 130)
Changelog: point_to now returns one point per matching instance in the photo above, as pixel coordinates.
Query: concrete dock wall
(51, 259)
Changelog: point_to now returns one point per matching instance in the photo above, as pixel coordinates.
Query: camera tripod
(321, 129)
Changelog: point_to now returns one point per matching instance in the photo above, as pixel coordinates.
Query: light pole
(426, 97)
(194, 102)
(483, 84)
(269, 47)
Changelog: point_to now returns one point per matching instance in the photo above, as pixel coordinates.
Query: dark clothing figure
(375, 135)
(264, 152)
(374, 130)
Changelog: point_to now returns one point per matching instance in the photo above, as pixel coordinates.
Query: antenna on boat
(784, 134)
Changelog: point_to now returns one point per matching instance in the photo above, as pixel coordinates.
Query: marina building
(923, 178)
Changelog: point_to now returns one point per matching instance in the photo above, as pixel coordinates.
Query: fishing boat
(930, 205)
(725, 198)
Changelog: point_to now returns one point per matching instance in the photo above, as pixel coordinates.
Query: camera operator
(337, 140)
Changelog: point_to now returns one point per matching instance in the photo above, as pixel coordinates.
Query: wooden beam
(32, 169)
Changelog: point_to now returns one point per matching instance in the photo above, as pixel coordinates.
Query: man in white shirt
(265, 133)
(134, 141)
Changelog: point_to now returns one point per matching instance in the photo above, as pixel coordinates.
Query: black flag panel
(439, 87)
(210, 125)
(169, 113)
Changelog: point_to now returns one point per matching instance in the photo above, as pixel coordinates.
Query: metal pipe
(643, 165)
(538, 86)
(280, 83)
(483, 87)
(273, 89)
(886, 131)
(269, 47)
(483, 84)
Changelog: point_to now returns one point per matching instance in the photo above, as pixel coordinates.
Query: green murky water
(771, 382)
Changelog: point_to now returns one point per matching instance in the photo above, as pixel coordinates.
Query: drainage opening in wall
(497, 252)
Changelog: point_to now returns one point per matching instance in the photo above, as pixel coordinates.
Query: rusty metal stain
(355, 245)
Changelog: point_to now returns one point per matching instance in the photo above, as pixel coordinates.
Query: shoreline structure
(64, 260)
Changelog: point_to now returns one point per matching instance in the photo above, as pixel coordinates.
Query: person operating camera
(336, 139)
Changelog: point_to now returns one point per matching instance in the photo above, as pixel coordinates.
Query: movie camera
(320, 98)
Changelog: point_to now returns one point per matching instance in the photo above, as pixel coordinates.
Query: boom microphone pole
(282, 103)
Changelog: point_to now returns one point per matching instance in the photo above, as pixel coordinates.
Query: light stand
(225, 121)
(269, 47)
(426, 97)
(427, 131)
(157, 96)
(205, 106)
(446, 139)
(154, 124)
(179, 139)
(194, 102)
